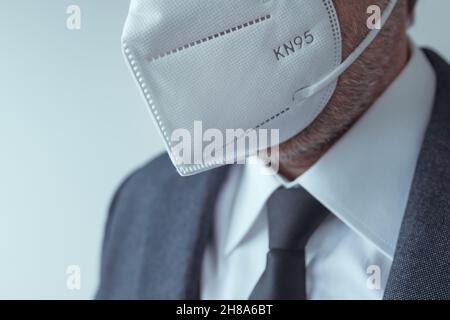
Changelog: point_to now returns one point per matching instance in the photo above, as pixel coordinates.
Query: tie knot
(294, 215)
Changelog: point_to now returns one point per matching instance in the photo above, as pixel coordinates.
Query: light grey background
(72, 125)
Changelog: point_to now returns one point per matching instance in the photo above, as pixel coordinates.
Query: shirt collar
(365, 178)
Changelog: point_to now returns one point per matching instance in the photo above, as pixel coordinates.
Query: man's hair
(411, 6)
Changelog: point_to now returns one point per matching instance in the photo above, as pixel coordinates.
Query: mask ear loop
(311, 90)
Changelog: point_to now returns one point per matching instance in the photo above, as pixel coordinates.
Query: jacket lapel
(421, 267)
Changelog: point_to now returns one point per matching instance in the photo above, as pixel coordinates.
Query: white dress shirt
(364, 180)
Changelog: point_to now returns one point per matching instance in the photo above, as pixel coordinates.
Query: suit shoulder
(155, 172)
(160, 167)
(132, 212)
(145, 183)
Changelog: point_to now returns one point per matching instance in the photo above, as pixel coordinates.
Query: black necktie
(294, 215)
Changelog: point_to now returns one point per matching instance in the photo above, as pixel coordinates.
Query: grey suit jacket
(159, 224)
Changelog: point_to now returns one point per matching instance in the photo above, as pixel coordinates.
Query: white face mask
(236, 64)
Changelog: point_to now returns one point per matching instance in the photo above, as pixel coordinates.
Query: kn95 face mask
(221, 65)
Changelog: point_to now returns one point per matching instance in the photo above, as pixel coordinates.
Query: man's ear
(411, 10)
(411, 6)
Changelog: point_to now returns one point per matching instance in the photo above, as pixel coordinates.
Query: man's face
(359, 86)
